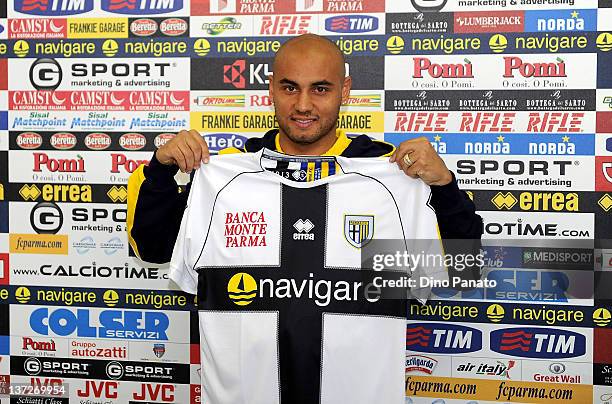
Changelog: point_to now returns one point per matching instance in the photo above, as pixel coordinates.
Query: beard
(322, 128)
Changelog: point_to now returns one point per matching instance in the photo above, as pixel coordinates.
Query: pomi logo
(443, 338)
(53, 8)
(538, 343)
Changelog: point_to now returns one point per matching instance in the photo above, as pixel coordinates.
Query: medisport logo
(243, 289)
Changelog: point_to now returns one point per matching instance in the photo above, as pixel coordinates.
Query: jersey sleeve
(192, 232)
(420, 229)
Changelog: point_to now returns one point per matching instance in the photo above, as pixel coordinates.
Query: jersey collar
(341, 143)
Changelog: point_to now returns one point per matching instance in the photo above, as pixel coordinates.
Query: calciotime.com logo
(243, 289)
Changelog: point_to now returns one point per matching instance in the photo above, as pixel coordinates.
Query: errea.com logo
(243, 289)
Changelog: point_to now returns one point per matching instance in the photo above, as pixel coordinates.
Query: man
(307, 87)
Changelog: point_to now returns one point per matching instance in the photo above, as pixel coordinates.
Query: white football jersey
(272, 245)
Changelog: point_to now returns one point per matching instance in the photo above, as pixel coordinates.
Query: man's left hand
(422, 161)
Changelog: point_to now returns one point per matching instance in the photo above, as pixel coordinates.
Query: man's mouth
(303, 123)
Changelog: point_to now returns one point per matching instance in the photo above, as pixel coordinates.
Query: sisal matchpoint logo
(423, 65)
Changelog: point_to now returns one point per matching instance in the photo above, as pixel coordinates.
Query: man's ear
(270, 88)
(346, 88)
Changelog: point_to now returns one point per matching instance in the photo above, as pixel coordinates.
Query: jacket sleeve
(155, 209)
(456, 213)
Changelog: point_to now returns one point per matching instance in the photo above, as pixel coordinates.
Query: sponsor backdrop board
(515, 95)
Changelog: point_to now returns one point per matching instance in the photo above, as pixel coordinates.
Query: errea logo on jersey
(303, 228)
(243, 289)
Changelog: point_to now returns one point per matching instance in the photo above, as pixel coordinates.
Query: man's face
(307, 89)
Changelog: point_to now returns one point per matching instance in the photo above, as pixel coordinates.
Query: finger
(196, 149)
(393, 156)
(189, 156)
(202, 145)
(179, 157)
(415, 170)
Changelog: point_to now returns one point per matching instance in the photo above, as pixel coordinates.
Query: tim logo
(351, 24)
(141, 7)
(52, 8)
(538, 343)
(234, 74)
(442, 338)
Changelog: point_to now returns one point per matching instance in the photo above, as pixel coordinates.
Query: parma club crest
(358, 229)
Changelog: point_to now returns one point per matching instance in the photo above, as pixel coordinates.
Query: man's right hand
(187, 150)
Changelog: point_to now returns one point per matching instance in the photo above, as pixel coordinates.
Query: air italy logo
(53, 8)
(538, 343)
(243, 289)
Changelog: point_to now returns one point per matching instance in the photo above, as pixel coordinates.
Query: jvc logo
(442, 338)
(538, 343)
(99, 389)
(50, 8)
(141, 7)
(157, 392)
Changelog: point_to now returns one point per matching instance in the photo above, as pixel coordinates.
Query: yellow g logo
(242, 289)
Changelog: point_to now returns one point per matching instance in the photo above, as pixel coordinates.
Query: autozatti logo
(538, 343)
(141, 7)
(442, 338)
(346, 24)
(50, 8)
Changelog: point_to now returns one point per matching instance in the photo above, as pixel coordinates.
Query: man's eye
(321, 90)
(290, 88)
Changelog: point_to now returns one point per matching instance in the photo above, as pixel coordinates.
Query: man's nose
(304, 102)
